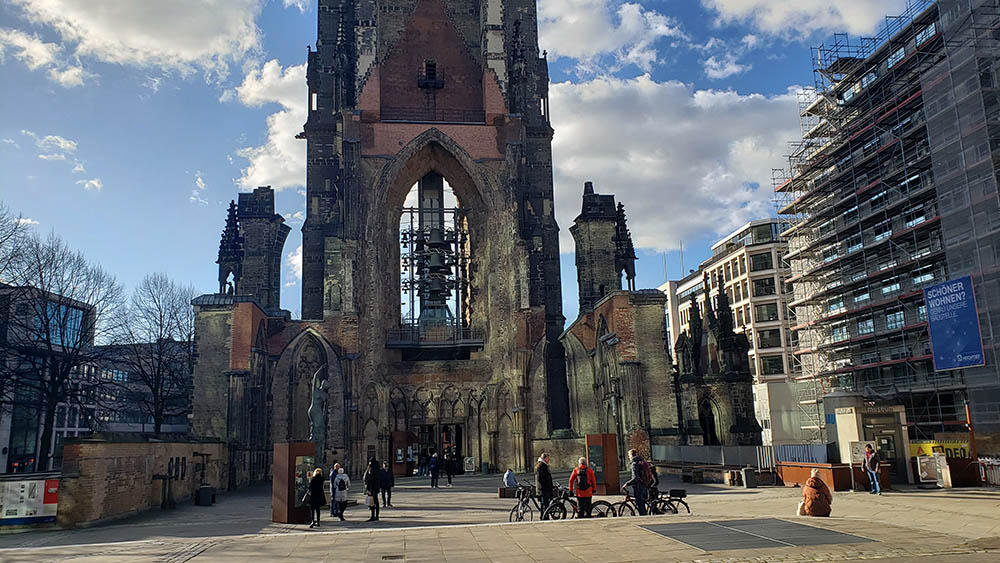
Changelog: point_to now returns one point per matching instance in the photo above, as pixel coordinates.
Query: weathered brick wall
(107, 480)
(564, 452)
(213, 344)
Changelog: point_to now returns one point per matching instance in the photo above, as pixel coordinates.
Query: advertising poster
(953, 325)
(28, 502)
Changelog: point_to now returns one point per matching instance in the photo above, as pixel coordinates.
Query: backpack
(582, 484)
(342, 484)
(646, 473)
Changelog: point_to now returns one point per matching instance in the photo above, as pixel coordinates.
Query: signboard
(470, 464)
(304, 466)
(927, 471)
(950, 448)
(953, 325)
(858, 451)
(28, 502)
(595, 457)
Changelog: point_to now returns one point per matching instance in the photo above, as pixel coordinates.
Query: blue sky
(128, 129)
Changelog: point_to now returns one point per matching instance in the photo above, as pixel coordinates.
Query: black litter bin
(205, 496)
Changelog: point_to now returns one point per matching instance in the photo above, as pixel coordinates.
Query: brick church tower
(431, 296)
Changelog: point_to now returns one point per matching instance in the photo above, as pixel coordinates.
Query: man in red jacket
(582, 483)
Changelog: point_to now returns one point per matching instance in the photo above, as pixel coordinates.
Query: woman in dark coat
(317, 498)
(816, 496)
(372, 480)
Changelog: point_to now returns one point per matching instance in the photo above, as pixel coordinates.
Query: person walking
(434, 465)
(333, 476)
(341, 484)
(872, 462)
(543, 481)
(372, 483)
(317, 497)
(582, 482)
(386, 483)
(509, 479)
(449, 467)
(422, 464)
(816, 496)
(641, 481)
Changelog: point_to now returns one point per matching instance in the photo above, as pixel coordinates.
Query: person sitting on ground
(509, 480)
(582, 482)
(816, 496)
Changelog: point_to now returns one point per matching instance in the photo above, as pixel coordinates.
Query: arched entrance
(709, 423)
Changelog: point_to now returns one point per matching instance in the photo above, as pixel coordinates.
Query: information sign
(595, 456)
(953, 324)
(858, 451)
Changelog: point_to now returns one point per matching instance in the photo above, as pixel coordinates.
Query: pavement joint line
(752, 534)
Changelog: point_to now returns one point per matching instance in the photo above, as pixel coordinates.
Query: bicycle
(677, 496)
(657, 506)
(522, 510)
(562, 506)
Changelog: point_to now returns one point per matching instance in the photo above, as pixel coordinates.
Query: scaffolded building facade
(893, 187)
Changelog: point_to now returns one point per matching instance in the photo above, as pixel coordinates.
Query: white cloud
(181, 35)
(94, 184)
(302, 5)
(199, 187)
(724, 66)
(280, 161)
(588, 29)
(294, 262)
(801, 18)
(198, 181)
(11, 142)
(78, 167)
(56, 143)
(36, 54)
(54, 156)
(27, 221)
(295, 217)
(660, 142)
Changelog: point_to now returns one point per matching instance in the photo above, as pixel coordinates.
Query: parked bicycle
(564, 506)
(522, 511)
(657, 506)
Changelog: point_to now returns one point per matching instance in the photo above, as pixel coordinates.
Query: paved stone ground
(468, 523)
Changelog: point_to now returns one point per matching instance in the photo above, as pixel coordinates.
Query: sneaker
(341, 518)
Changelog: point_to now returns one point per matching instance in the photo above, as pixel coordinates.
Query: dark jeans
(386, 497)
(545, 503)
(873, 480)
(449, 478)
(315, 515)
(585, 506)
(341, 508)
(641, 499)
(435, 475)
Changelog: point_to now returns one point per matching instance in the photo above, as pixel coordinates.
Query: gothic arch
(290, 388)
(398, 409)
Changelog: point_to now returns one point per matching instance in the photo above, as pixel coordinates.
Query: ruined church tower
(449, 302)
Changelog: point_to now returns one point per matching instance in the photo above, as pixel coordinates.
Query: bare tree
(13, 234)
(154, 346)
(60, 304)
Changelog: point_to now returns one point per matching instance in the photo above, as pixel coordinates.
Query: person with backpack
(582, 482)
(333, 477)
(435, 467)
(386, 482)
(641, 481)
(341, 484)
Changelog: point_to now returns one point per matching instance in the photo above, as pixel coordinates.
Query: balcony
(434, 336)
(432, 115)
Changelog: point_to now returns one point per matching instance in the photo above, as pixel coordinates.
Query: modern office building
(748, 264)
(893, 188)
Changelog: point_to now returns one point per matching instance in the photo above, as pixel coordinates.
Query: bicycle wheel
(602, 509)
(573, 511)
(555, 511)
(661, 506)
(625, 509)
(521, 513)
(683, 503)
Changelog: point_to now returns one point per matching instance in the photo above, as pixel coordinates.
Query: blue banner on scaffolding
(953, 324)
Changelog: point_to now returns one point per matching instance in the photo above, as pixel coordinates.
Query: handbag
(369, 500)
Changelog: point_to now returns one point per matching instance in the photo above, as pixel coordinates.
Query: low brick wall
(108, 479)
(837, 476)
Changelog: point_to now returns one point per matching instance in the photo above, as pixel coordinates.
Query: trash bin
(750, 477)
(484, 467)
(205, 496)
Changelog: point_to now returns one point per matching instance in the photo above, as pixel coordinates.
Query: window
(868, 79)
(870, 358)
(770, 338)
(914, 216)
(854, 243)
(887, 265)
(861, 296)
(430, 70)
(923, 274)
(766, 312)
(926, 33)
(851, 92)
(763, 287)
(59, 324)
(830, 253)
(879, 200)
(859, 275)
(772, 365)
(890, 285)
(761, 234)
(839, 333)
(895, 57)
(882, 230)
(851, 215)
(729, 272)
(894, 320)
(746, 291)
(739, 317)
(866, 327)
(743, 265)
(922, 313)
(760, 262)
(835, 305)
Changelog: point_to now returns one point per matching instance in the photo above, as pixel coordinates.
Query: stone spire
(230, 259)
(624, 250)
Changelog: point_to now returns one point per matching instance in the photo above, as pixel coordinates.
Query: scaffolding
(865, 235)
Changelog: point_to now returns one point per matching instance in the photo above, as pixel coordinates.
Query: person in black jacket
(372, 484)
(543, 480)
(386, 482)
(449, 466)
(317, 498)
